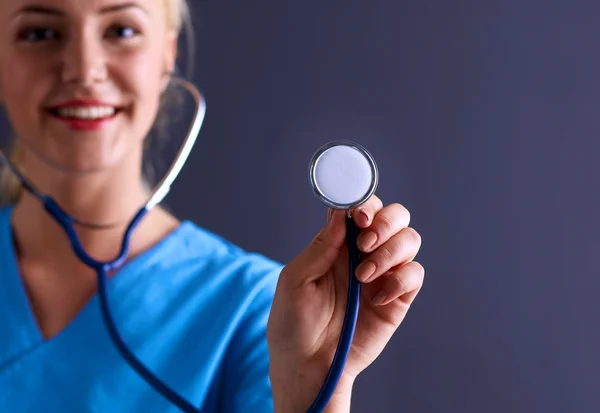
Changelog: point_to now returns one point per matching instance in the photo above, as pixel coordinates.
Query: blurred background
(483, 119)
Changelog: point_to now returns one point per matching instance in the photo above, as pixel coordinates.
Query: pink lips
(83, 124)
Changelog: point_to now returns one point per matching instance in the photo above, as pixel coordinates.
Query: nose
(83, 60)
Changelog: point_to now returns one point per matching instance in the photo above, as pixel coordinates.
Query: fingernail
(379, 298)
(365, 271)
(367, 240)
(364, 215)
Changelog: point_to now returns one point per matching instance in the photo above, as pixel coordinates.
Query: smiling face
(81, 80)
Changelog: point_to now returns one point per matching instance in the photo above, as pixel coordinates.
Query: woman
(230, 331)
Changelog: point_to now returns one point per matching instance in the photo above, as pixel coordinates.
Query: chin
(78, 166)
(79, 156)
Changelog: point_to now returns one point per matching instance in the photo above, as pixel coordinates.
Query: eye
(37, 34)
(122, 32)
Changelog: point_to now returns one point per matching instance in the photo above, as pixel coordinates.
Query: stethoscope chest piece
(343, 175)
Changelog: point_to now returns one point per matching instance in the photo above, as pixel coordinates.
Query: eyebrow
(49, 11)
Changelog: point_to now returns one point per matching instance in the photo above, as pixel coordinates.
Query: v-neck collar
(17, 322)
(19, 331)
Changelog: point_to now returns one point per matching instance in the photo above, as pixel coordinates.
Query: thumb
(318, 257)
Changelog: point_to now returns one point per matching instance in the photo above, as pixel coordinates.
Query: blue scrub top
(193, 308)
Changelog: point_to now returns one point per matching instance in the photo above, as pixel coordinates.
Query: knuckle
(413, 234)
(418, 267)
(419, 270)
(385, 224)
(406, 214)
(399, 285)
(319, 240)
(385, 253)
(403, 211)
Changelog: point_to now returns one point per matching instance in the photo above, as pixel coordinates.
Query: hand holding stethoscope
(312, 294)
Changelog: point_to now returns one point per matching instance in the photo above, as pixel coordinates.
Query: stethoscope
(343, 175)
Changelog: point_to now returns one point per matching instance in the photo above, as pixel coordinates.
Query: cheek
(144, 81)
(23, 85)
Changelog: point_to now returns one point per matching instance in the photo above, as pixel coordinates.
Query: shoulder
(209, 251)
(196, 262)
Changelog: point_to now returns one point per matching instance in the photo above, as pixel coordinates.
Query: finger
(403, 283)
(401, 248)
(387, 222)
(363, 215)
(318, 257)
(330, 212)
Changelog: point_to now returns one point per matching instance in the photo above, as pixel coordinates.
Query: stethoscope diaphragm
(343, 174)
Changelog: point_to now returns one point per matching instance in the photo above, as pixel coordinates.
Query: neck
(111, 197)
(57, 283)
(99, 197)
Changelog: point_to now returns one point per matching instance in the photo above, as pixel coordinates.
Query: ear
(169, 58)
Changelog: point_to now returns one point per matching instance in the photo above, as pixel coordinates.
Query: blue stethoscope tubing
(349, 325)
(103, 268)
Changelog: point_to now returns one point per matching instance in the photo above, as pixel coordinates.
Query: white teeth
(87, 113)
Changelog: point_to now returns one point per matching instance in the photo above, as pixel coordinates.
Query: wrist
(339, 402)
(297, 397)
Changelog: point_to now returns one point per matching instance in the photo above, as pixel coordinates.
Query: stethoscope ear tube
(347, 334)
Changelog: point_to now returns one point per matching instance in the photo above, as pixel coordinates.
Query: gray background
(482, 116)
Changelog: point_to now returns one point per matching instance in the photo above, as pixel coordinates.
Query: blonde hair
(178, 17)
